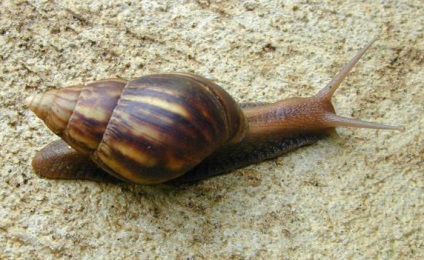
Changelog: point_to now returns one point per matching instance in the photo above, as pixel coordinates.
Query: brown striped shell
(148, 130)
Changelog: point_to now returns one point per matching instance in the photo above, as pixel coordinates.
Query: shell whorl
(55, 107)
(148, 130)
(79, 114)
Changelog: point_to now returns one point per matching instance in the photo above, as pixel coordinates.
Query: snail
(175, 127)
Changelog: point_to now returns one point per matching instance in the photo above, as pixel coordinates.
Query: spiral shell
(148, 130)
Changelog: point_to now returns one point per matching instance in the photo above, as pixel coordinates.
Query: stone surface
(356, 196)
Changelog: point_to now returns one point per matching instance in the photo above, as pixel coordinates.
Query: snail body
(179, 126)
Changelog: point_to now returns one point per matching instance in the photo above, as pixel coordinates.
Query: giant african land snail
(175, 126)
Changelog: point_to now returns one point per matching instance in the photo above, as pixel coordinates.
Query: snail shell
(148, 130)
(162, 127)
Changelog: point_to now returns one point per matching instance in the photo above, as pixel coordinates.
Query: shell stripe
(209, 121)
(92, 113)
(62, 108)
(235, 125)
(130, 169)
(136, 158)
(189, 118)
(151, 138)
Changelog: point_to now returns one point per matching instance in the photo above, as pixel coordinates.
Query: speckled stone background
(357, 196)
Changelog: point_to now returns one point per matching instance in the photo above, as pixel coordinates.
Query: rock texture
(356, 196)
